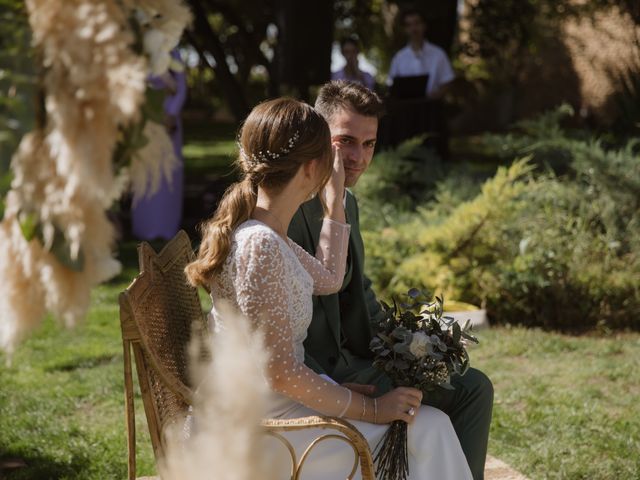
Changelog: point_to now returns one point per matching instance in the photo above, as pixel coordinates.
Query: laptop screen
(409, 87)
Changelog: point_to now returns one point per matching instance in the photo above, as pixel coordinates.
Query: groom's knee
(479, 386)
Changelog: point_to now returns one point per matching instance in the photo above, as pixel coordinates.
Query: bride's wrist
(368, 409)
(334, 209)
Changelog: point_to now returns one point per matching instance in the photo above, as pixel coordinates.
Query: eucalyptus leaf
(61, 249)
(414, 293)
(400, 364)
(456, 332)
(471, 338)
(154, 105)
(400, 333)
(5, 181)
(28, 224)
(401, 348)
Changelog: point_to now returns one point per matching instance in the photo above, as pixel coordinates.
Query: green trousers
(469, 405)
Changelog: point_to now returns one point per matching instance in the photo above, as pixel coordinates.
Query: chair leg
(130, 411)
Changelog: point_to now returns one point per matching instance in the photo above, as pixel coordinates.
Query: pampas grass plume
(231, 399)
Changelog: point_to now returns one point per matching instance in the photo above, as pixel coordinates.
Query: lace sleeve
(328, 266)
(261, 289)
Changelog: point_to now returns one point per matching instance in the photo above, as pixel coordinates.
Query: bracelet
(347, 405)
(364, 407)
(375, 410)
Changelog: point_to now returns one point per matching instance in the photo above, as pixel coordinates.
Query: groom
(338, 338)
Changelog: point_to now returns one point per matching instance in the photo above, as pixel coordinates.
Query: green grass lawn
(209, 149)
(565, 407)
(62, 400)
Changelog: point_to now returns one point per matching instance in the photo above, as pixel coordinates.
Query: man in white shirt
(420, 57)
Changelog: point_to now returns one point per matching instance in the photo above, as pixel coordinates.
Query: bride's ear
(310, 169)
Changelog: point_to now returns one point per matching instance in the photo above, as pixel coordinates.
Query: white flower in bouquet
(419, 346)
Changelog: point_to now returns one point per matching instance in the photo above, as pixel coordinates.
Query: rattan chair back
(159, 312)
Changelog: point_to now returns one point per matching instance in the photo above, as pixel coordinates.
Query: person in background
(421, 57)
(159, 216)
(351, 72)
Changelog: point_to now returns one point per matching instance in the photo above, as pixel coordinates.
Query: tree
(289, 40)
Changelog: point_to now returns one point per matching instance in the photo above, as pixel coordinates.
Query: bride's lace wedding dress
(271, 280)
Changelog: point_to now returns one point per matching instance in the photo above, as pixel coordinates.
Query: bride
(247, 259)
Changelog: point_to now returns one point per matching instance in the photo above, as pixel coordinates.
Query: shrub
(397, 181)
(533, 247)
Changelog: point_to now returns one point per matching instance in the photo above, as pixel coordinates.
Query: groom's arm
(313, 364)
(373, 306)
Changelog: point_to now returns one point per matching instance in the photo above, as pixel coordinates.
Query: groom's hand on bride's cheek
(361, 388)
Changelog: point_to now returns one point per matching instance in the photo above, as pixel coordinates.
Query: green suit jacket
(338, 340)
(339, 334)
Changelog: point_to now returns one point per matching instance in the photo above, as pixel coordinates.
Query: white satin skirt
(434, 449)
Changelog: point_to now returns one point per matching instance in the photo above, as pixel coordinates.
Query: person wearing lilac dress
(159, 216)
(351, 72)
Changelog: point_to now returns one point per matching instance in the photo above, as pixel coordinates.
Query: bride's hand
(333, 191)
(397, 404)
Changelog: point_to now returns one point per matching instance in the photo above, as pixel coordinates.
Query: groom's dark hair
(342, 95)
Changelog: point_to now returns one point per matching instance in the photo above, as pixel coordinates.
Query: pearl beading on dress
(271, 281)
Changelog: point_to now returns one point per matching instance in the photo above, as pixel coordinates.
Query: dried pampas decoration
(231, 400)
(151, 162)
(56, 239)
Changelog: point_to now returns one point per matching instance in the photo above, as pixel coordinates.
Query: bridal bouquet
(416, 346)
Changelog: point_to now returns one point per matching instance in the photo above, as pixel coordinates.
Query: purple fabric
(160, 215)
(365, 79)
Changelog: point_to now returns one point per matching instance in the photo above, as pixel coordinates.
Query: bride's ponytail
(236, 206)
(278, 137)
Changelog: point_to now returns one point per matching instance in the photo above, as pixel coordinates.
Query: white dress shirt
(430, 60)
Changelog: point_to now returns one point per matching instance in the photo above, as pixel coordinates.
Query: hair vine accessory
(264, 156)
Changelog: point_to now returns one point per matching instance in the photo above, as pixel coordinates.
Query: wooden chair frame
(153, 374)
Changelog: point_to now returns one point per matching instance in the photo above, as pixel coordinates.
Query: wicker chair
(159, 313)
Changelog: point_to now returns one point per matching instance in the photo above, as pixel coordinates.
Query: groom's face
(355, 136)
